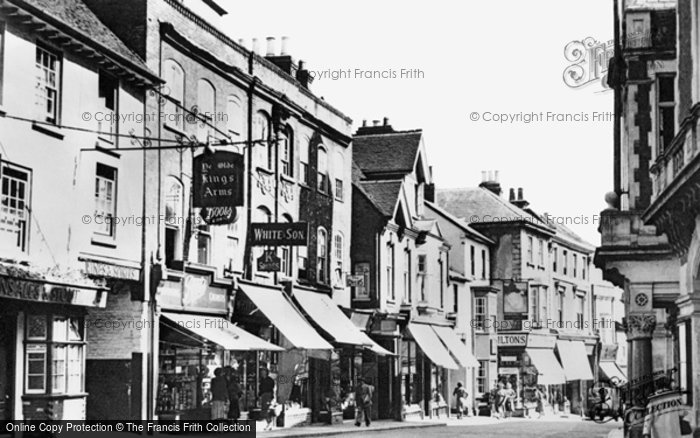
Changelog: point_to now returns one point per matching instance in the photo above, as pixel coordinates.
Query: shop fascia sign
(516, 339)
(47, 292)
(279, 234)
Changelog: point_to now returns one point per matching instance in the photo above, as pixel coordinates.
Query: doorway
(8, 332)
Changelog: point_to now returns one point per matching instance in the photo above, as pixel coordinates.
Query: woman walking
(219, 395)
(540, 398)
(461, 395)
(509, 400)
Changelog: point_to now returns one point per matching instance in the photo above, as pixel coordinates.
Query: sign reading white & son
(279, 234)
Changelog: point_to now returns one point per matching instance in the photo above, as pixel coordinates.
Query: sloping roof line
(463, 225)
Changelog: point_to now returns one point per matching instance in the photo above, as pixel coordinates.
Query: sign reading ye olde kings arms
(218, 186)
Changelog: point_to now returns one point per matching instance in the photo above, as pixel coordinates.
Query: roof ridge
(410, 131)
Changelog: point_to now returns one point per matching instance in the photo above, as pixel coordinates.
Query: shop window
(362, 289)
(174, 94)
(14, 209)
(48, 87)
(322, 256)
(105, 200)
(479, 313)
(54, 352)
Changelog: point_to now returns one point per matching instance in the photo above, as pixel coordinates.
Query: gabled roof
(383, 194)
(477, 205)
(388, 153)
(460, 223)
(77, 17)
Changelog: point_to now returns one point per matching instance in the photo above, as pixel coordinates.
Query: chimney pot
(364, 123)
(375, 122)
(520, 194)
(255, 48)
(270, 46)
(512, 195)
(285, 46)
(483, 176)
(496, 176)
(386, 121)
(490, 175)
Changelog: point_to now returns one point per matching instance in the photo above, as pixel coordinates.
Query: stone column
(640, 327)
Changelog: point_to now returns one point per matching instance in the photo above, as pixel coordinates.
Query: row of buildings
(173, 202)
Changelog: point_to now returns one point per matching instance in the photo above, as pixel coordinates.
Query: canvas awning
(322, 310)
(574, 360)
(548, 368)
(282, 314)
(431, 345)
(612, 371)
(456, 347)
(218, 331)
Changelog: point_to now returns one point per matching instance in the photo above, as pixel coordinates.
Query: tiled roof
(383, 194)
(78, 17)
(387, 153)
(462, 224)
(476, 204)
(566, 234)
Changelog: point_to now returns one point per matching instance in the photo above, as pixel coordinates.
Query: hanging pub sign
(515, 300)
(279, 234)
(218, 186)
(269, 262)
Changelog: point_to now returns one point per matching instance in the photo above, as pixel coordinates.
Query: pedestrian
(266, 392)
(219, 395)
(234, 393)
(363, 402)
(461, 395)
(493, 395)
(540, 397)
(509, 400)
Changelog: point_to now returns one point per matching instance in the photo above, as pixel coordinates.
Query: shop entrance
(7, 378)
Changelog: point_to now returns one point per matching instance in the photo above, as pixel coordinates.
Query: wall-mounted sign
(519, 340)
(20, 289)
(195, 292)
(218, 185)
(107, 270)
(515, 300)
(269, 262)
(279, 234)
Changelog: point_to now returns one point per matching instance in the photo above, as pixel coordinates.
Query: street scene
(313, 218)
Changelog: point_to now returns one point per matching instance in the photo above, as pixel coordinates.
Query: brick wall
(685, 57)
(365, 223)
(105, 342)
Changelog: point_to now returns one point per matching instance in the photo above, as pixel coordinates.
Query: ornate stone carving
(640, 325)
(287, 191)
(265, 182)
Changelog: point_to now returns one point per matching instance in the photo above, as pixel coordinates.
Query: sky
(478, 59)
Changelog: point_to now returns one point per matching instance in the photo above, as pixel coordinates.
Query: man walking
(363, 402)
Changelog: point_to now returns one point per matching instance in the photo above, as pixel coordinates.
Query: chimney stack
(490, 182)
(285, 46)
(386, 121)
(364, 123)
(520, 202)
(270, 46)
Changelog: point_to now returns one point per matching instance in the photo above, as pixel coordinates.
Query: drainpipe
(249, 174)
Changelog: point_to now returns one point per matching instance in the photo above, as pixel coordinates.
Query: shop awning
(218, 331)
(548, 368)
(456, 347)
(282, 314)
(431, 345)
(612, 371)
(575, 360)
(321, 308)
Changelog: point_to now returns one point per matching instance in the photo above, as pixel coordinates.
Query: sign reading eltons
(218, 186)
(279, 234)
(30, 290)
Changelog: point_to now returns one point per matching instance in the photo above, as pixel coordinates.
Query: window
(54, 355)
(555, 258)
(455, 298)
(232, 248)
(203, 245)
(261, 134)
(472, 261)
(560, 305)
(407, 276)
(483, 264)
(574, 263)
(684, 354)
(579, 312)
(605, 329)
(234, 115)
(390, 280)
(422, 274)
(540, 252)
(287, 152)
(479, 313)
(261, 215)
(529, 251)
(339, 259)
(174, 219)
(302, 263)
(362, 289)
(304, 161)
(584, 266)
(105, 199)
(338, 171)
(322, 167)
(108, 92)
(441, 279)
(534, 304)
(665, 110)
(2, 55)
(322, 256)
(174, 94)
(565, 261)
(286, 252)
(206, 105)
(543, 304)
(420, 199)
(48, 87)
(482, 376)
(14, 209)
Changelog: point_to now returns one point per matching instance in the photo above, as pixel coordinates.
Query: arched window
(304, 160)
(174, 219)
(338, 259)
(261, 131)
(174, 93)
(322, 256)
(287, 151)
(339, 171)
(234, 114)
(322, 169)
(206, 104)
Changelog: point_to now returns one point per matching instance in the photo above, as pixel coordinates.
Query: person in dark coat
(363, 402)
(266, 391)
(234, 393)
(219, 395)
(461, 395)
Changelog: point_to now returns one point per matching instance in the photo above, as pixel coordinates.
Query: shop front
(527, 361)
(577, 368)
(463, 357)
(301, 372)
(43, 344)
